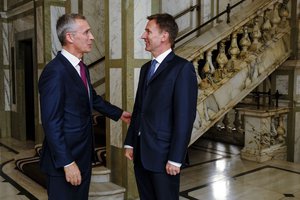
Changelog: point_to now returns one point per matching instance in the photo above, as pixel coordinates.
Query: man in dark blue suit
(163, 113)
(67, 100)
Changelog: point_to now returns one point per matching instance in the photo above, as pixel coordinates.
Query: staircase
(236, 58)
(101, 188)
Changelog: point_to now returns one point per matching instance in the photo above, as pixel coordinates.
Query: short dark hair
(166, 22)
(65, 24)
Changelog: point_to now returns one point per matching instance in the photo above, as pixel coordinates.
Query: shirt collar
(162, 56)
(71, 58)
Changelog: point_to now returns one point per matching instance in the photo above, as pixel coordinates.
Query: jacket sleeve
(52, 93)
(185, 103)
(106, 108)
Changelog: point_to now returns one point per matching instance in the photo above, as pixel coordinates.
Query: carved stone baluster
(222, 61)
(280, 130)
(266, 27)
(196, 65)
(204, 83)
(273, 132)
(234, 52)
(245, 43)
(238, 123)
(256, 35)
(284, 13)
(275, 19)
(208, 70)
(226, 123)
(219, 126)
(209, 61)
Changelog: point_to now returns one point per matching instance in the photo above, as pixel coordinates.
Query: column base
(275, 152)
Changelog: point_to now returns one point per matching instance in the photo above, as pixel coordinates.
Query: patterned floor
(216, 172)
(13, 184)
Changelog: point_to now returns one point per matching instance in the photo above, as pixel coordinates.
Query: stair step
(106, 191)
(100, 170)
(100, 174)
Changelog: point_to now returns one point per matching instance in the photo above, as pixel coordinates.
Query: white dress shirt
(72, 59)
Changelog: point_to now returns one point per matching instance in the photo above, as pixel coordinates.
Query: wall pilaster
(4, 80)
(124, 55)
(286, 80)
(47, 44)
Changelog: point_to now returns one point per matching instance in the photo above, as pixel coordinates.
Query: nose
(91, 36)
(143, 35)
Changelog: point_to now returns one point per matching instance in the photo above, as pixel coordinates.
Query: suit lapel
(73, 73)
(162, 66)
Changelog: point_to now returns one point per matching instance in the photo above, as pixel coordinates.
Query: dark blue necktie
(152, 69)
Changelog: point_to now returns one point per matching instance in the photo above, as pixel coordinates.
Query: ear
(69, 37)
(165, 36)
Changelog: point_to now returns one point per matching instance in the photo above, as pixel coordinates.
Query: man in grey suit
(67, 99)
(163, 113)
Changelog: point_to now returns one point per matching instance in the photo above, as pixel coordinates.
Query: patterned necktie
(83, 74)
(152, 69)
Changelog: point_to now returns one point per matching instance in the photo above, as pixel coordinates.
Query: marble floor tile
(279, 180)
(230, 189)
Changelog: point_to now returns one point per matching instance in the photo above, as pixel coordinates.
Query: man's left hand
(172, 169)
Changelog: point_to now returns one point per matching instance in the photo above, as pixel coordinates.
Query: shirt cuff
(128, 147)
(70, 164)
(174, 163)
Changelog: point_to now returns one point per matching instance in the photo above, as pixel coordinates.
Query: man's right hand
(126, 117)
(129, 153)
(73, 174)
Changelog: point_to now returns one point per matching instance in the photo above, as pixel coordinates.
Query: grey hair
(65, 24)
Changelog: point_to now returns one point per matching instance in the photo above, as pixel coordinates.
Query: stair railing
(227, 12)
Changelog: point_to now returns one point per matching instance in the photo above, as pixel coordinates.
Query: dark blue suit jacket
(66, 112)
(164, 113)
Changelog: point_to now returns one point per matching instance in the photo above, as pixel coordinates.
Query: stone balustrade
(232, 59)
